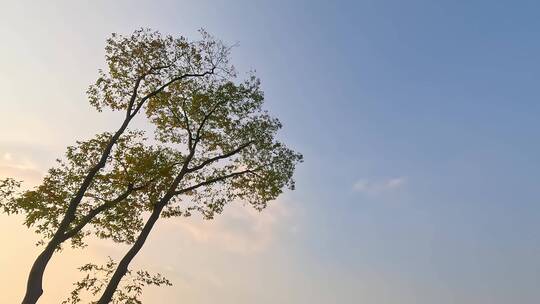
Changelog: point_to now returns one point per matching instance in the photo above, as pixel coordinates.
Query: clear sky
(418, 120)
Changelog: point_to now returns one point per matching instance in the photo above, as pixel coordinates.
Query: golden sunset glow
(403, 169)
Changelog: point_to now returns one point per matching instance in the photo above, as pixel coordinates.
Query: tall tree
(106, 180)
(229, 152)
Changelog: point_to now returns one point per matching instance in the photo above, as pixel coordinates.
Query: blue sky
(418, 121)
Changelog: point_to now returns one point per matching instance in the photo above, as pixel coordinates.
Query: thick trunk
(34, 285)
(122, 267)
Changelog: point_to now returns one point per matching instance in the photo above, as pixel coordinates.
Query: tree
(228, 149)
(214, 143)
(108, 181)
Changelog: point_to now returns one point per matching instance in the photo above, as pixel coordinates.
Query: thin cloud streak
(377, 187)
(241, 229)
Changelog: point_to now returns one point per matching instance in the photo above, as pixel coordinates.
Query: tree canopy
(213, 143)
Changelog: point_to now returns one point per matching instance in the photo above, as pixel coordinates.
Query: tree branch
(203, 122)
(188, 126)
(185, 121)
(222, 156)
(157, 68)
(168, 83)
(134, 96)
(214, 180)
(106, 205)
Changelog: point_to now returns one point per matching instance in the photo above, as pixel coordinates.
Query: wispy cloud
(240, 229)
(19, 167)
(375, 187)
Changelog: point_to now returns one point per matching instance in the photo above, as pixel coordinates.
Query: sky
(418, 121)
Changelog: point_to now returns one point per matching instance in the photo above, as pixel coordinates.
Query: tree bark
(122, 267)
(34, 285)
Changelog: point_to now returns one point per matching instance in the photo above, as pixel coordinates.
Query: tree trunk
(34, 285)
(122, 267)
